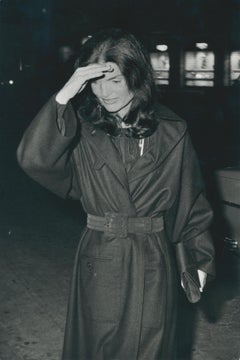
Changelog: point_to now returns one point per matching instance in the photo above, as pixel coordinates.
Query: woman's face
(112, 91)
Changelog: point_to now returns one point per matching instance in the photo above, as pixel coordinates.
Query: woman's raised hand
(79, 80)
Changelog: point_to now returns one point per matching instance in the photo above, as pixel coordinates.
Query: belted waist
(120, 224)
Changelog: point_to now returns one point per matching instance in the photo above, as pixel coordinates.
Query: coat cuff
(203, 252)
(66, 119)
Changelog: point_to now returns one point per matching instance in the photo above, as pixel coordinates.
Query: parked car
(228, 187)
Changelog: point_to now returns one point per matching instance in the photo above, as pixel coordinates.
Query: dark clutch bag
(188, 273)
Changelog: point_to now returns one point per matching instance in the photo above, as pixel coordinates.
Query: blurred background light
(202, 45)
(162, 47)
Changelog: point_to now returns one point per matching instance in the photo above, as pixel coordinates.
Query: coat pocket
(155, 286)
(100, 285)
(98, 164)
(154, 305)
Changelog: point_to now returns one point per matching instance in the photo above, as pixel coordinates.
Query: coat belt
(121, 225)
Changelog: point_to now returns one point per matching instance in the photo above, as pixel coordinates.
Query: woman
(131, 163)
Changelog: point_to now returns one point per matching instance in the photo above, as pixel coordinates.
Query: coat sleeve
(45, 151)
(193, 212)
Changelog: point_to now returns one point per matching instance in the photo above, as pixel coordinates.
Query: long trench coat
(123, 296)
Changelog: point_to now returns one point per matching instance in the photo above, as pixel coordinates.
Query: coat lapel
(170, 131)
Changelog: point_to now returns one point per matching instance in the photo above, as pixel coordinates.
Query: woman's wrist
(61, 98)
(202, 279)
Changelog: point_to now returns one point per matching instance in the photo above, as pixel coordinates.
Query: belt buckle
(116, 224)
(148, 224)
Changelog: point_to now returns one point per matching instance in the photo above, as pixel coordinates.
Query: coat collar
(171, 129)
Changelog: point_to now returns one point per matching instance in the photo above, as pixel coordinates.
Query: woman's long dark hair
(122, 48)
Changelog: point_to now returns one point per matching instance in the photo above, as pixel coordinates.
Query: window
(199, 68)
(161, 66)
(235, 66)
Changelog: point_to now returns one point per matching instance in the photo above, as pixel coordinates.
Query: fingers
(93, 68)
(83, 74)
(79, 79)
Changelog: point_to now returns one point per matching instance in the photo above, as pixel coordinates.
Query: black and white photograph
(120, 180)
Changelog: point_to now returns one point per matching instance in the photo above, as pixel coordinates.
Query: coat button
(90, 266)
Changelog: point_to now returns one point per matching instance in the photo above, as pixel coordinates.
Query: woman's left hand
(202, 279)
